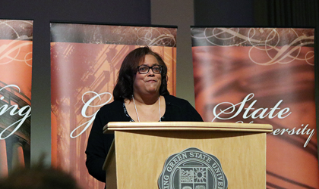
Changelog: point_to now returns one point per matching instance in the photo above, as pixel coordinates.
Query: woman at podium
(140, 95)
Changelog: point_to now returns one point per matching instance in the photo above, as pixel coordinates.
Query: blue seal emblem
(192, 169)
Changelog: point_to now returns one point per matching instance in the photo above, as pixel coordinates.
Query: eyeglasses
(144, 69)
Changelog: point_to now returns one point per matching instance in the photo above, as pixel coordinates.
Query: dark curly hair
(38, 177)
(124, 86)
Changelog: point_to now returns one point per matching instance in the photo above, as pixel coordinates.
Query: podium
(140, 151)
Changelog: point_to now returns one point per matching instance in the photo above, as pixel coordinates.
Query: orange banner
(15, 93)
(263, 75)
(85, 61)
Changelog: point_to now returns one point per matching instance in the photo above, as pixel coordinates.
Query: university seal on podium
(192, 169)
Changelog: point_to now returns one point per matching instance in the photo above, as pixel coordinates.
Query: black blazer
(177, 109)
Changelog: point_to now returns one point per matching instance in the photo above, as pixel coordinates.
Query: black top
(98, 143)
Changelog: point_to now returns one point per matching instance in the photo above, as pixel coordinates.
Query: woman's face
(149, 83)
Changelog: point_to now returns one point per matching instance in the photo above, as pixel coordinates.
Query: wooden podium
(139, 151)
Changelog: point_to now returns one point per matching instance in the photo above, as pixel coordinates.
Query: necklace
(159, 108)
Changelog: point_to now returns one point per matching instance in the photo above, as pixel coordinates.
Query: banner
(266, 76)
(85, 60)
(15, 93)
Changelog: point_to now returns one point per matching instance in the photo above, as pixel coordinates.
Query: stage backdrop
(85, 60)
(15, 93)
(263, 75)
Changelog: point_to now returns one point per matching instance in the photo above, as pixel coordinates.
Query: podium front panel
(140, 155)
